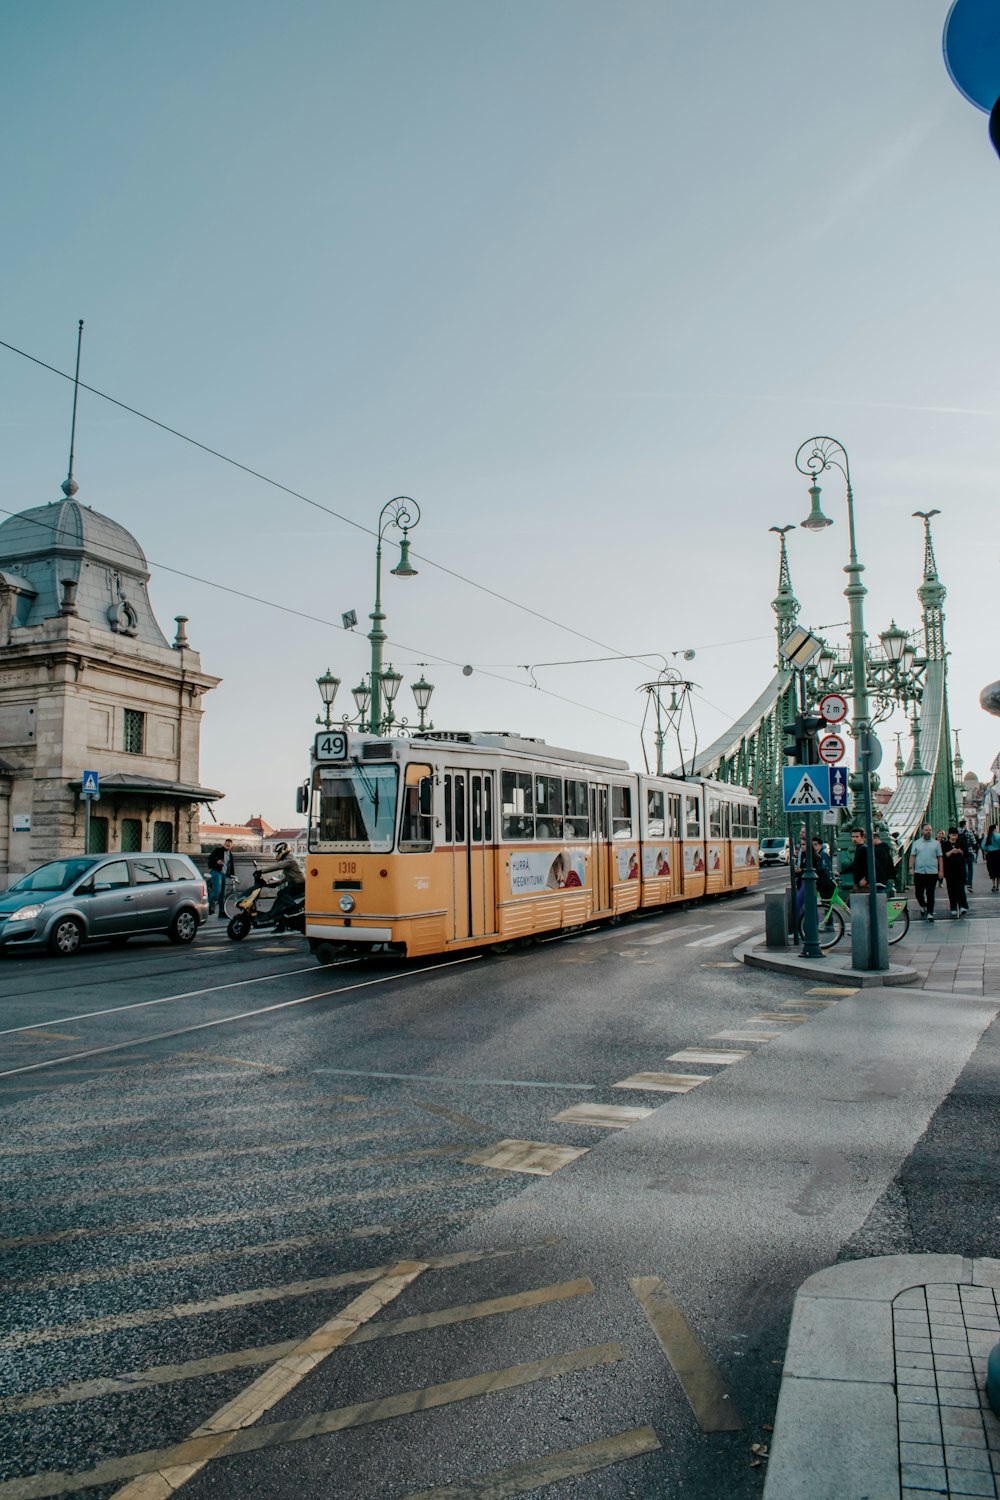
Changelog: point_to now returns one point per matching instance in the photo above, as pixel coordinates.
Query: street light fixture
(422, 690)
(824, 664)
(362, 696)
(328, 685)
(894, 643)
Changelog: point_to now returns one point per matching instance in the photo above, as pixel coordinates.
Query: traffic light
(801, 747)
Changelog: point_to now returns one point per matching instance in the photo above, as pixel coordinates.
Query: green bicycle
(835, 916)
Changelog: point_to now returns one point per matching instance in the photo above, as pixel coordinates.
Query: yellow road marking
(610, 1116)
(722, 1055)
(449, 1114)
(194, 1369)
(702, 1383)
(470, 1312)
(315, 1424)
(831, 989)
(537, 1157)
(784, 1017)
(537, 1473)
(143, 1163)
(237, 1216)
(275, 1383)
(746, 1035)
(240, 1062)
(216, 1184)
(664, 1083)
(169, 1122)
(49, 1036)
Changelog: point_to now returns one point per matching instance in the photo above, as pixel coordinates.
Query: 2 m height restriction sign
(805, 788)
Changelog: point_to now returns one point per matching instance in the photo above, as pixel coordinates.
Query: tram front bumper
(341, 933)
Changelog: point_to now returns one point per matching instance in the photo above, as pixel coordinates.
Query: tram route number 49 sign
(330, 744)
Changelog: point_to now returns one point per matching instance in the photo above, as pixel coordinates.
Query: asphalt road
(260, 1235)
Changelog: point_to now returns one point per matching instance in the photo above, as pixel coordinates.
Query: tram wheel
(325, 953)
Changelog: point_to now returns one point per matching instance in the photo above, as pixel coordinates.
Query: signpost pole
(86, 823)
(865, 749)
(810, 913)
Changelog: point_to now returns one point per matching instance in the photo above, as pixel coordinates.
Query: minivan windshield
(57, 876)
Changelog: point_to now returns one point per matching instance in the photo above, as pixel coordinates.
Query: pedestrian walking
(927, 869)
(221, 869)
(970, 848)
(991, 849)
(954, 874)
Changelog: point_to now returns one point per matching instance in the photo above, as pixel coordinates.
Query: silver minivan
(68, 902)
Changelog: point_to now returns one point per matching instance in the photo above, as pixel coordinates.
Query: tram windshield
(354, 807)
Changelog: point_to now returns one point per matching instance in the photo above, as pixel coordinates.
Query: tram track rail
(280, 1005)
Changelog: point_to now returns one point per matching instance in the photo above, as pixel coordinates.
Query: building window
(163, 838)
(131, 834)
(98, 836)
(135, 723)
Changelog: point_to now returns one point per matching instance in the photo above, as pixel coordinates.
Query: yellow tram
(446, 841)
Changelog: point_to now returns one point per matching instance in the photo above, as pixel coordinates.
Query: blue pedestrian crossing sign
(91, 783)
(838, 786)
(806, 788)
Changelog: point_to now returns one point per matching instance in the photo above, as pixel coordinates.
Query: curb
(756, 957)
(836, 1432)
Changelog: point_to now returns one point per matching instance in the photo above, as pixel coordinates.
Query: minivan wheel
(184, 927)
(66, 937)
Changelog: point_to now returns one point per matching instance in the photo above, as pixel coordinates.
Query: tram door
(599, 846)
(468, 800)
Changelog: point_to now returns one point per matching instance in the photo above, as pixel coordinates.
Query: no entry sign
(831, 749)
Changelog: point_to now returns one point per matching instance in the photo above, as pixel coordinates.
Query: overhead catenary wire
(418, 653)
(298, 495)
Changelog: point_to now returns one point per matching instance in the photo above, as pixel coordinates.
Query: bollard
(860, 923)
(776, 923)
(993, 1379)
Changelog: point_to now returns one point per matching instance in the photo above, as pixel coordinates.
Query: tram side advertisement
(541, 870)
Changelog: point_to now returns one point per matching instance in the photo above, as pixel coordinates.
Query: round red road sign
(831, 749)
(833, 707)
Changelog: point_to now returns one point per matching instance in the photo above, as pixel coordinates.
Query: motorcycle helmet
(280, 850)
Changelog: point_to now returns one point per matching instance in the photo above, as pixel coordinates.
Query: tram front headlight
(346, 904)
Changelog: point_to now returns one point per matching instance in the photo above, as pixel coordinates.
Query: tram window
(548, 807)
(476, 807)
(459, 809)
(692, 818)
(415, 827)
(674, 816)
(577, 803)
(727, 811)
(621, 812)
(516, 793)
(753, 818)
(447, 810)
(714, 818)
(654, 813)
(488, 808)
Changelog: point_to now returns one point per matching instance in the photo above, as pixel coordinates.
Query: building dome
(51, 546)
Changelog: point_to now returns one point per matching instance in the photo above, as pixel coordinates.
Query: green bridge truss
(750, 752)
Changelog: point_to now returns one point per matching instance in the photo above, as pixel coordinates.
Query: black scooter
(248, 916)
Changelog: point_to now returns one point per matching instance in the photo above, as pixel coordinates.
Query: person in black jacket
(220, 869)
(884, 868)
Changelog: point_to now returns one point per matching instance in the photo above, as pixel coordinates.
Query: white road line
(244, 1015)
(115, 1010)
(668, 937)
(719, 938)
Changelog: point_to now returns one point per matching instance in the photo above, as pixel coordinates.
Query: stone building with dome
(89, 682)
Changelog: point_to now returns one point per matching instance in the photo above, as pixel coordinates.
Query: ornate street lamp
(422, 690)
(328, 685)
(362, 697)
(404, 514)
(894, 644)
(813, 458)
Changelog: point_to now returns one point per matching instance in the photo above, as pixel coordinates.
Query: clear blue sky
(579, 277)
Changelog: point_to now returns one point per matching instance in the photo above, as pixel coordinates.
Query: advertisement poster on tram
(714, 858)
(655, 862)
(744, 856)
(628, 864)
(694, 860)
(541, 870)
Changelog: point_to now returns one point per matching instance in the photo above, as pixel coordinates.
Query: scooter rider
(294, 883)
